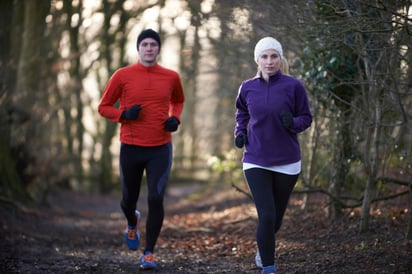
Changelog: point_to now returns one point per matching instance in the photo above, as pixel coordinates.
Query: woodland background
(354, 57)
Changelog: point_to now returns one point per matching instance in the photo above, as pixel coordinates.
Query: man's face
(148, 51)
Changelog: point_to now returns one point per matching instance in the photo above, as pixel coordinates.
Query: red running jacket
(156, 89)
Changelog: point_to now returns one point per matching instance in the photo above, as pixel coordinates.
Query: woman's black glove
(241, 140)
(171, 124)
(287, 119)
(132, 113)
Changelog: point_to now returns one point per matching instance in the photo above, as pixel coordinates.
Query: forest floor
(205, 231)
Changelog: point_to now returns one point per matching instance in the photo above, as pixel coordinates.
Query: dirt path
(211, 232)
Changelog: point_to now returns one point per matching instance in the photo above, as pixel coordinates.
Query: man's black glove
(241, 140)
(287, 119)
(171, 124)
(132, 113)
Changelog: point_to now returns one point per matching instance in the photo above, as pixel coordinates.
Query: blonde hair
(284, 66)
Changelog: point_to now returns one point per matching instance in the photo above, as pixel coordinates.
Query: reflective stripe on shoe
(258, 260)
(137, 213)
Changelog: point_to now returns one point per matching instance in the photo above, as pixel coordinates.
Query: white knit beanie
(265, 44)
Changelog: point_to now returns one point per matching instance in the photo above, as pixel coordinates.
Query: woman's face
(269, 62)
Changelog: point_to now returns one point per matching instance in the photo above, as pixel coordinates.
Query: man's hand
(132, 113)
(171, 124)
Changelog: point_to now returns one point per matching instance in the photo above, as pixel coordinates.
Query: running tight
(156, 161)
(271, 191)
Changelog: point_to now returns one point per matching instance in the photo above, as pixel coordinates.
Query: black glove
(241, 140)
(171, 124)
(287, 119)
(132, 113)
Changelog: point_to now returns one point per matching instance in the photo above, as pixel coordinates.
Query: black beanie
(148, 33)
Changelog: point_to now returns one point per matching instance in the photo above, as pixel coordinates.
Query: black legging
(157, 161)
(271, 191)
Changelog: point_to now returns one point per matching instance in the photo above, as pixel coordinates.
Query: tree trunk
(105, 177)
(25, 65)
(189, 68)
(371, 155)
(340, 161)
(74, 123)
(9, 179)
(409, 230)
(309, 169)
(11, 187)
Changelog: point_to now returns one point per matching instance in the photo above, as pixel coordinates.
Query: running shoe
(132, 234)
(258, 260)
(147, 261)
(271, 269)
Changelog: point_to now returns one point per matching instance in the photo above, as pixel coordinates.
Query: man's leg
(157, 171)
(131, 172)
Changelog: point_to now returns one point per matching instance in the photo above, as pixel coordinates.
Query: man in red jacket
(151, 102)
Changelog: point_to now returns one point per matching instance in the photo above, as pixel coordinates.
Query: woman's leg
(282, 189)
(271, 192)
(261, 187)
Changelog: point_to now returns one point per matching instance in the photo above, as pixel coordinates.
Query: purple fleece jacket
(258, 108)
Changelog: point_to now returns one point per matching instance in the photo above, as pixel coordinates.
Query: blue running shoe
(271, 269)
(147, 261)
(132, 234)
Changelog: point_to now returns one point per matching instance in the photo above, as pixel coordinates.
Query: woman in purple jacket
(271, 109)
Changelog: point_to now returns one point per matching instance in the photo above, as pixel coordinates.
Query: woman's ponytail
(284, 66)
